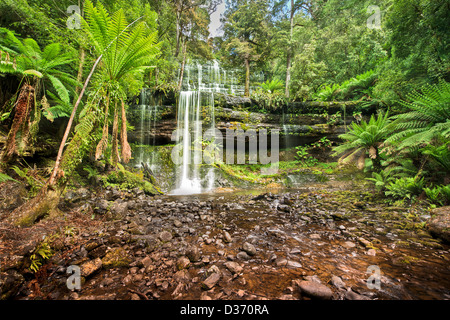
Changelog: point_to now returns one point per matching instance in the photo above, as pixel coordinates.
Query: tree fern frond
(62, 91)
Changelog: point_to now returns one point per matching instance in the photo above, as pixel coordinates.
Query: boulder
(439, 224)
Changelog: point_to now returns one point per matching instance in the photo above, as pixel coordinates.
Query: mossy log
(34, 209)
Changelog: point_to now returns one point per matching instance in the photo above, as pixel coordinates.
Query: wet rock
(90, 267)
(315, 290)
(165, 236)
(115, 258)
(177, 223)
(349, 244)
(118, 210)
(293, 264)
(249, 248)
(183, 263)
(242, 255)
(227, 237)
(10, 283)
(211, 281)
(233, 267)
(313, 278)
(365, 243)
(350, 295)
(337, 282)
(101, 206)
(193, 254)
(439, 224)
(281, 262)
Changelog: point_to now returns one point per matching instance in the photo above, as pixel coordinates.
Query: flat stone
(293, 264)
(350, 295)
(177, 223)
(165, 236)
(234, 267)
(211, 281)
(315, 290)
(348, 244)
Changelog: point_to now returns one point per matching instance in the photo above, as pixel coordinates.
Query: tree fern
(126, 51)
(428, 116)
(365, 139)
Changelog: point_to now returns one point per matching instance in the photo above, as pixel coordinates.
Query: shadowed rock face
(304, 124)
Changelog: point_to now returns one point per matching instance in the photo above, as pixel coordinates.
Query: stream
(260, 244)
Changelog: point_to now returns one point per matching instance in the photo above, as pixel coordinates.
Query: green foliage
(26, 175)
(127, 180)
(268, 100)
(42, 253)
(352, 89)
(365, 139)
(405, 188)
(271, 86)
(438, 195)
(303, 156)
(427, 119)
(5, 177)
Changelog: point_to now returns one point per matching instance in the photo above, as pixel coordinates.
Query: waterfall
(195, 114)
(148, 113)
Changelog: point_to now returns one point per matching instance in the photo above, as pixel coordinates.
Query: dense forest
(72, 72)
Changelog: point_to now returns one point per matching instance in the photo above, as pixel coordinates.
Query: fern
(428, 118)
(5, 177)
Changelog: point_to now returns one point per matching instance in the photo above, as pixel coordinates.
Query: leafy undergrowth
(127, 180)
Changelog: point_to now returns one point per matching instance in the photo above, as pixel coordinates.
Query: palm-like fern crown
(124, 50)
(428, 118)
(44, 64)
(366, 134)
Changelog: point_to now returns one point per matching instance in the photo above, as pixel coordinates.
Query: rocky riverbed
(320, 242)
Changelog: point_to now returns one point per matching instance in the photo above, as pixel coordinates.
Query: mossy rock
(116, 258)
(129, 180)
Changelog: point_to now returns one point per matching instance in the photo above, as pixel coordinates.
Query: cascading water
(148, 113)
(196, 113)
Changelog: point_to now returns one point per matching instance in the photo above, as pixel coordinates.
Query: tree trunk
(289, 52)
(178, 26)
(23, 107)
(51, 181)
(247, 77)
(183, 64)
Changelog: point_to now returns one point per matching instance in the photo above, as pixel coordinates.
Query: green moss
(126, 180)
